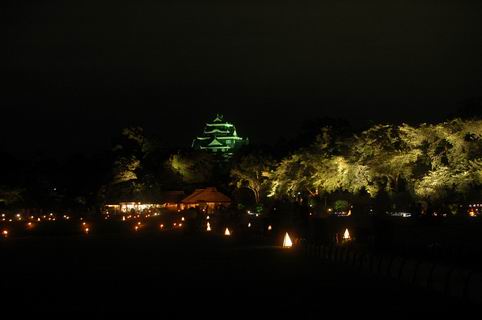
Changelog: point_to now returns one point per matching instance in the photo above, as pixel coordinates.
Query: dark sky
(78, 71)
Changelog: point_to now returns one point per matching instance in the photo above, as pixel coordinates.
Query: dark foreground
(181, 276)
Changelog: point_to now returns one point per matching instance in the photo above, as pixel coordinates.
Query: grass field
(175, 275)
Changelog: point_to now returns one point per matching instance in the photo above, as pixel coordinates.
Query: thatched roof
(206, 195)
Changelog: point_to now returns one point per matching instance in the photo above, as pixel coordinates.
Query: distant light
(249, 225)
(208, 227)
(182, 219)
(86, 230)
(270, 228)
(287, 243)
(161, 226)
(5, 233)
(227, 232)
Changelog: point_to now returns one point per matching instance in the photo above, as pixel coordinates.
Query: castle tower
(219, 137)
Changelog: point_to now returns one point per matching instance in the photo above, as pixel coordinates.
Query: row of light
(287, 243)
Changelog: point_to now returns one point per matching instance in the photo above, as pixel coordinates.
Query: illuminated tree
(454, 150)
(428, 162)
(252, 172)
(10, 196)
(125, 169)
(193, 167)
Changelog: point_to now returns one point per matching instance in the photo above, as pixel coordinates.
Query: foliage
(430, 162)
(253, 172)
(192, 167)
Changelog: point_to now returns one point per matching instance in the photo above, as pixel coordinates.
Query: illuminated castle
(219, 137)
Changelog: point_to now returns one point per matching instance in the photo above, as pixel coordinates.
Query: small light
(208, 227)
(249, 225)
(227, 232)
(287, 243)
(346, 235)
(270, 228)
(5, 233)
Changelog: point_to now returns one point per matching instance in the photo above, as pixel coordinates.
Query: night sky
(76, 72)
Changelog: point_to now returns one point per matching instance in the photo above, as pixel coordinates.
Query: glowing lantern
(180, 225)
(227, 232)
(182, 219)
(38, 219)
(208, 227)
(287, 243)
(346, 235)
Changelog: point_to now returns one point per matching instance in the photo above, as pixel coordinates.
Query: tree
(194, 167)
(252, 172)
(9, 196)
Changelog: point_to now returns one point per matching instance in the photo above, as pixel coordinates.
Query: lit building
(167, 200)
(209, 199)
(219, 137)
